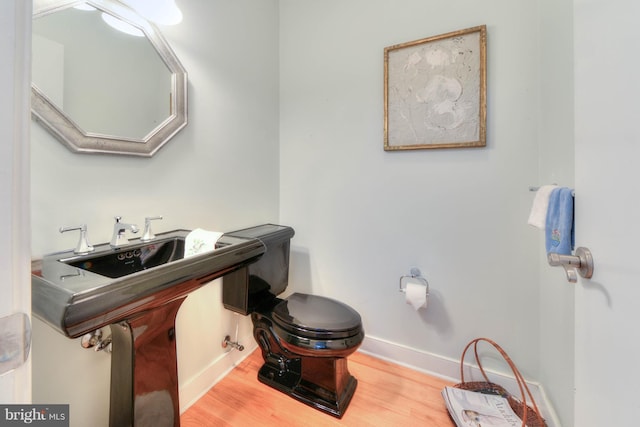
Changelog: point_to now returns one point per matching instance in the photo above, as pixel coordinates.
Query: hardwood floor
(387, 395)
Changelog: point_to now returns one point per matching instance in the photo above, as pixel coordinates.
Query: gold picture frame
(435, 92)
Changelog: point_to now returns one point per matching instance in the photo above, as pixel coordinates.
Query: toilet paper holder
(414, 273)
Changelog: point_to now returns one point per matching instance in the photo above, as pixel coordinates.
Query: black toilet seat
(316, 317)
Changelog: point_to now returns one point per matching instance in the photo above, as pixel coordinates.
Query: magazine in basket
(473, 409)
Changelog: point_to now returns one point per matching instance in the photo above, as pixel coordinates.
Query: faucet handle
(83, 247)
(148, 234)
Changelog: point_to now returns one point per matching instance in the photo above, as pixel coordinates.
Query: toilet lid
(314, 316)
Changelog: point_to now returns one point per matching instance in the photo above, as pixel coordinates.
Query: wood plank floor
(387, 395)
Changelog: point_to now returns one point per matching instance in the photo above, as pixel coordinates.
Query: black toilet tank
(245, 289)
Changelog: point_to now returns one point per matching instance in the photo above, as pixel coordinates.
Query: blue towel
(559, 232)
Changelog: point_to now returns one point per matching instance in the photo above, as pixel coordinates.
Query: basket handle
(522, 385)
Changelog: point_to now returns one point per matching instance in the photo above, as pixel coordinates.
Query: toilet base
(330, 400)
(320, 379)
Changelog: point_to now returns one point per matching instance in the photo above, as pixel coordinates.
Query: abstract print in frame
(435, 92)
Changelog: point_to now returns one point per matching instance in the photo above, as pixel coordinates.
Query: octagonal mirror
(98, 89)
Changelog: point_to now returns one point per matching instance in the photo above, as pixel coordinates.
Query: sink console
(136, 289)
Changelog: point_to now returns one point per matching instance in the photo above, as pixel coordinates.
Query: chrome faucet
(148, 234)
(119, 229)
(83, 247)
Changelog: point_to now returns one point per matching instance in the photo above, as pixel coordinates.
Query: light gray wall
(15, 26)
(556, 165)
(364, 217)
(607, 210)
(219, 173)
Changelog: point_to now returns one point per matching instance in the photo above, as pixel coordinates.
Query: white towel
(538, 215)
(200, 241)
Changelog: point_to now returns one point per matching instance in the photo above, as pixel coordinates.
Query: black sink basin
(77, 294)
(131, 259)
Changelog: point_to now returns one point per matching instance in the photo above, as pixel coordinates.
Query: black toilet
(305, 339)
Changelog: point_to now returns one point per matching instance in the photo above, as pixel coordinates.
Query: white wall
(363, 216)
(556, 165)
(607, 185)
(220, 172)
(15, 25)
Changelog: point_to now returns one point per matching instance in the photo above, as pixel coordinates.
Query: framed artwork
(435, 92)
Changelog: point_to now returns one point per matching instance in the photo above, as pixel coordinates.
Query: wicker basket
(530, 416)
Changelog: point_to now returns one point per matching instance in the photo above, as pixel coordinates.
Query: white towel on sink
(200, 241)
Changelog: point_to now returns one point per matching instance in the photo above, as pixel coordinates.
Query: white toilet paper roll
(416, 294)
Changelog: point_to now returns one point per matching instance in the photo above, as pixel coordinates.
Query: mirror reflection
(79, 62)
(100, 89)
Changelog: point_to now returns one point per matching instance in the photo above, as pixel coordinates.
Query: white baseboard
(198, 385)
(449, 369)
